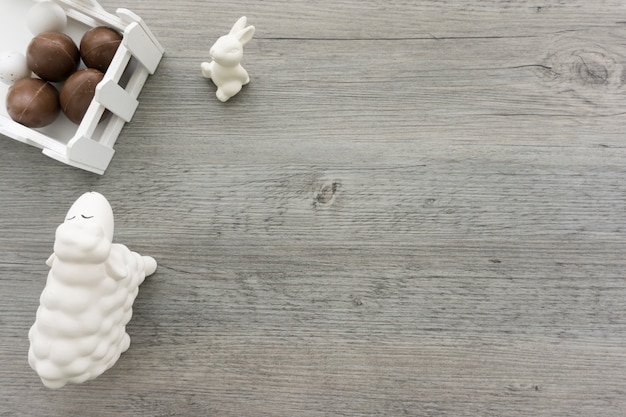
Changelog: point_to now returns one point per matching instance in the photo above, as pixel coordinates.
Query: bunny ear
(245, 35)
(239, 24)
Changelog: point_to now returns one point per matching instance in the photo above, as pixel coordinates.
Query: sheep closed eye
(71, 218)
(86, 217)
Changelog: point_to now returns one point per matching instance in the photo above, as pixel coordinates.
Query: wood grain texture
(414, 208)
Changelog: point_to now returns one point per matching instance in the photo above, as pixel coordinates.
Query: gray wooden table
(414, 208)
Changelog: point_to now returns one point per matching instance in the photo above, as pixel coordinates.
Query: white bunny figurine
(225, 70)
(80, 329)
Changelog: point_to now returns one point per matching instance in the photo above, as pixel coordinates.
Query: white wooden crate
(88, 146)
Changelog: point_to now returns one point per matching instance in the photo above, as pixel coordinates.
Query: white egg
(13, 67)
(46, 16)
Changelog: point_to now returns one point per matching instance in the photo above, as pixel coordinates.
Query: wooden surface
(414, 208)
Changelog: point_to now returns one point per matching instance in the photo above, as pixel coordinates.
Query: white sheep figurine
(80, 329)
(225, 70)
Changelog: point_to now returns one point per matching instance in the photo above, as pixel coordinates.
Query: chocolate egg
(98, 47)
(53, 56)
(33, 102)
(78, 91)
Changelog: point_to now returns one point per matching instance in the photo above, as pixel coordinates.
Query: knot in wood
(584, 68)
(589, 73)
(326, 193)
(592, 68)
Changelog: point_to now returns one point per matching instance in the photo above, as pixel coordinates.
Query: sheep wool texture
(80, 327)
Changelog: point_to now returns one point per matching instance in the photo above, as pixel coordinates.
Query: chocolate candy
(98, 47)
(33, 102)
(77, 93)
(53, 56)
